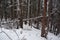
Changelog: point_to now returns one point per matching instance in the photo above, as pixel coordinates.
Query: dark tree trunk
(49, 15)
(44, 21)
(11, 10)
(38, 14)
(1, 10)
(30, 14)
(21, 14)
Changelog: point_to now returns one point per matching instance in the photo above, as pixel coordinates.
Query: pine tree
(21, 14)
(49, 15)
(1, 10)
(38, 14)
(29, 11)
(44, 21)
(56, 19)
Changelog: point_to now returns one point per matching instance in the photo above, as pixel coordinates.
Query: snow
(27, 33)
(46, 28)
(52, 37)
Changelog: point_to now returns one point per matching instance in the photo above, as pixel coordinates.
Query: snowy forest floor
(27, 33)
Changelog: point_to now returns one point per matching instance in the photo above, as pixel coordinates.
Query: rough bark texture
(44, 21)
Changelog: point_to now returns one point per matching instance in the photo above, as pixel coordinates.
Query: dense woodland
(46, 12)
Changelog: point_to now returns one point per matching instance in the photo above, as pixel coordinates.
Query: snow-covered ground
(27, 33)
(24, 34)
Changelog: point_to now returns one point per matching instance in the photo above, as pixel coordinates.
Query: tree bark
(38, 14)
(21, 14)
(30, 13)
(44, 21)
(49, 15)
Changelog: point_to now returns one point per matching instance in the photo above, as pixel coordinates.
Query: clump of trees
(35, 11)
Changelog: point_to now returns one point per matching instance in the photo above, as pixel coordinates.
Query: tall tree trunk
(1, 10)
(38, 14)
(49, 15)
(26, 12)
(44, 21)
(30, 13)
(11, 10)
(21, 14)
(5, 10)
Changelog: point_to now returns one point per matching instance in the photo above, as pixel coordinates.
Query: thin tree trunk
(26, 12)
(21, 15)
(38, 14)
(49, 14)
(30, 13)
(11, 10)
